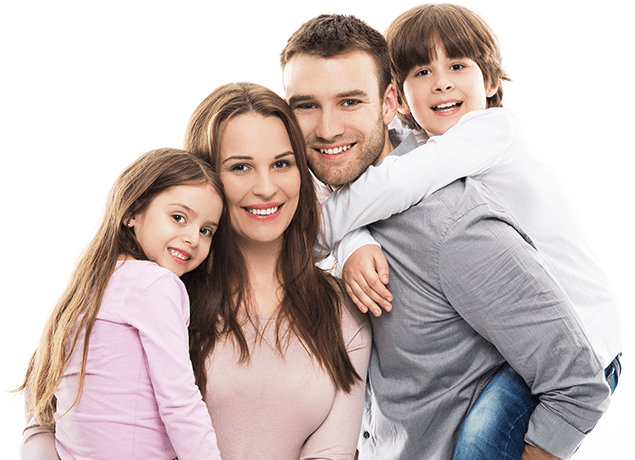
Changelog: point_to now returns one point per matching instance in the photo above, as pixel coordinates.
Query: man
(470, 292)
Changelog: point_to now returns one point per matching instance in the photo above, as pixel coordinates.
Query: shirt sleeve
(38, 443)
(473, 146)
(161, 319)
(494, 280)
(351, 242)
(336, 438)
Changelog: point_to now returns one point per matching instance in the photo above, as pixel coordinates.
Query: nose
(265, 185)
(443, 82)
(329, 125)
(192, 236)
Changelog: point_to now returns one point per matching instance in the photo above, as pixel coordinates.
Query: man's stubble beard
(368, 155)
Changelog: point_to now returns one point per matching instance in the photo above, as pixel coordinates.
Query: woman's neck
(262, 268)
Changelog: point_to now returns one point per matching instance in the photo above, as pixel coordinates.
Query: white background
(86, 87)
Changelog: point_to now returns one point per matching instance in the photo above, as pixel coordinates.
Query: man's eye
(179, 218)
(350, 103)
(304, 107)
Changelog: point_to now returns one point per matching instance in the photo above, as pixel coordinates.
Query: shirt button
(366, 435)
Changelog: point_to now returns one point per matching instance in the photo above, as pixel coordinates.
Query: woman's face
(260, 177)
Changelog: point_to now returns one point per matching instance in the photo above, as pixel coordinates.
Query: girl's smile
(176, 228)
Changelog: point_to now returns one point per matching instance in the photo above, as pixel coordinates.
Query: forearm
(509, 299)
(536, 453)
(475, 145)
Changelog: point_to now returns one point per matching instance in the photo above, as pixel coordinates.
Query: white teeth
(336, 150)
(178, 254)
(263, 212)
(446, 105)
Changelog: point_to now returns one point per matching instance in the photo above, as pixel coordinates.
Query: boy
(446, 67)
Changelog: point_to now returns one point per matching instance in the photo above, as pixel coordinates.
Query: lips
(264, 212)
(447, 106)
(334, 150)
(179, 256)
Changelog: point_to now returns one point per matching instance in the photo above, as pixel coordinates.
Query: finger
(355, 300)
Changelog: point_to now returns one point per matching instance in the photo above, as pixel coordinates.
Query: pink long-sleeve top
(139, 399)
(275, 407)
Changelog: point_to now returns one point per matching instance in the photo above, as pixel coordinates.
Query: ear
(492, 90)
(403, 108)
(390, 105)
(129, 221)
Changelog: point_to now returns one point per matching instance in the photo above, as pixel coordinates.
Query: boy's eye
(179, 218)
(457, 67)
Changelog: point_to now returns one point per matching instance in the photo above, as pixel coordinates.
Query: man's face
(342, 116)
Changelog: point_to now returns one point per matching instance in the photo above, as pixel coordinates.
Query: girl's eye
(422, 72)
(179, 218)
(457, 67)
(207, 232)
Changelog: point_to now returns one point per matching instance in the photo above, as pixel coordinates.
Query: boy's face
(342, 116)
(440, 93)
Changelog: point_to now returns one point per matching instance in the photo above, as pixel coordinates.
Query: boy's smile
(440, 93)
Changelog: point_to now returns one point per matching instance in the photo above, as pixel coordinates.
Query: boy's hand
(364, 274)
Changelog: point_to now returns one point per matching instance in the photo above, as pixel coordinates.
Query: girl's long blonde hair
(76, 311)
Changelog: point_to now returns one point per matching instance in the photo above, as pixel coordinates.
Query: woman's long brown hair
(311, 304)
(75, 313)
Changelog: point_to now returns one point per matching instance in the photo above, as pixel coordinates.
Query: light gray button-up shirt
(470, 293)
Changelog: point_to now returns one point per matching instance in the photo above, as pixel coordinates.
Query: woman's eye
(238, 167)
(207, 232)
(282, 164)
(179, 218)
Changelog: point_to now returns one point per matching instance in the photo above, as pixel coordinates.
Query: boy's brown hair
(415, 35)
(330, 35)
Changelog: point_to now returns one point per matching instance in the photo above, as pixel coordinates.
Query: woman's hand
(365, 274)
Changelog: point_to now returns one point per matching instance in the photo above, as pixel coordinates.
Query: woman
(277, 351)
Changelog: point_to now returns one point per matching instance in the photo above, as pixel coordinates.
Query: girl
(112, 372)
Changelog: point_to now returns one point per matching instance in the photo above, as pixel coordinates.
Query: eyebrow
(247, 157)
(294, 100)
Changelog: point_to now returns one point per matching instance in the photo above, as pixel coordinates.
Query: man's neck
(387, 147)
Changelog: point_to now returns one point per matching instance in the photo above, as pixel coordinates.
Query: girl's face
(176, 228)
(260, 177)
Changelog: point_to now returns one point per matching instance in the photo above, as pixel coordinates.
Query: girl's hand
(365, 273)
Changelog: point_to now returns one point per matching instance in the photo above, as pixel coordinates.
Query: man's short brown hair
(330, 35)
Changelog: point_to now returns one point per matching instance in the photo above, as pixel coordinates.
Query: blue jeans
(496, 424)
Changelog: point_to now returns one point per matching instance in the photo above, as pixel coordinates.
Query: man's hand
(536, 453)
(365, 273)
